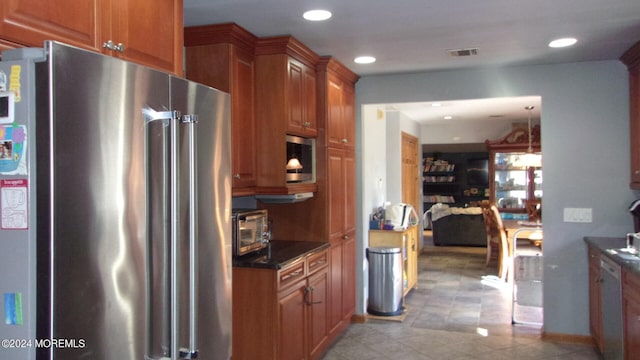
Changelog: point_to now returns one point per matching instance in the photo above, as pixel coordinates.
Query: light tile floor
(453, 315)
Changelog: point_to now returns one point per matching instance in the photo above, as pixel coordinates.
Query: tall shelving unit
(458, 179)
(516, 174)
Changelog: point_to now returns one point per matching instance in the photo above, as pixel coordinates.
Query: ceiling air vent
(464, 52)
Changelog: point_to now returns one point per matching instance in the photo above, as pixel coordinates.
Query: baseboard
(359, 318)
(568, 338)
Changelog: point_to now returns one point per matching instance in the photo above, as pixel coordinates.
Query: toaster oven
(250, 231)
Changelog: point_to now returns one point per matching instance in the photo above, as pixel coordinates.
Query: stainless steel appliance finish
(611, 295)
(128, 244)
(304, 151)
(385, 281)
(250, 231)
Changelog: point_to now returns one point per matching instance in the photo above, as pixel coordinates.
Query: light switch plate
(578, 215)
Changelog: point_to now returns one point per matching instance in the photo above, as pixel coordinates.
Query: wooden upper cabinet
(151, 32)
(285, 105)
(301, 119)
(31, 22)
(288, 94)
(336, 94)
(632, 59)
(222, 56)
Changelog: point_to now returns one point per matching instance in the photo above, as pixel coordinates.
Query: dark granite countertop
(279, 254)
(606, 244)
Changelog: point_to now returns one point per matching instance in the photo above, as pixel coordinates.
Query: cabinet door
(243, 123)
(595, 309)
(349, 277)
(336, 131)
(349, 117)
(302, 99)
(336, 286)
(310, 123)
(151, 32)
(341, 169)
(291, 308)
(294, 93)
(412, 258)
(317, 310)
(31, 22)
(336, 191)
(340, 113)
(349, 204)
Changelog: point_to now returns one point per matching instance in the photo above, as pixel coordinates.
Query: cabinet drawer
(291, 274)
(317, 262)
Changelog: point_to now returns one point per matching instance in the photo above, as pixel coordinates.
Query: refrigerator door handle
(152, 115)
(162, 244)
(192, 352)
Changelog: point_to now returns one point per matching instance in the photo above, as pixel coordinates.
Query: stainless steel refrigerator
(115, 234)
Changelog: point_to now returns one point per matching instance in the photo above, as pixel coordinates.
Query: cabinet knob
(345, 237)
(110, 45)
(344, 141)
(636, 172)
(236, 176)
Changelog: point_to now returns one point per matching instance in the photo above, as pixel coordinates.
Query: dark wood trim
(229, 33)
(289, 45)
(328, 63)
(517, 139)
(631, 57)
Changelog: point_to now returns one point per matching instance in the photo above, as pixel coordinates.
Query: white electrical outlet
(578, 215)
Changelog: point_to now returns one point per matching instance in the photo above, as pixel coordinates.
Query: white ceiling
(415, 35)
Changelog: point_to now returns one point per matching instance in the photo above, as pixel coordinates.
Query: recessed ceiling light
(448, 117)
(564, 42)
(364, 60)
(436, 104)
(317, 15)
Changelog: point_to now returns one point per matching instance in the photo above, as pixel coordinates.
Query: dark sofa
(459, 230)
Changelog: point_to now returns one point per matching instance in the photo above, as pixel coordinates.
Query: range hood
(284, 198)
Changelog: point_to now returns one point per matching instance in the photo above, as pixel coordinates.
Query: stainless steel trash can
(385, 281)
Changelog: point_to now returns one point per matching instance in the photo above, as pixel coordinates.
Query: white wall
(585, 142)
(397, 123)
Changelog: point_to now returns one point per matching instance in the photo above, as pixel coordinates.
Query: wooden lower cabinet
(318, 306)
(631, 313)
(281, 314)
(343, 285)
(408, 242)
(595, 308)
(292, 323)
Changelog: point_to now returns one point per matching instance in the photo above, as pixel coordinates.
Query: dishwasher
(611, 301)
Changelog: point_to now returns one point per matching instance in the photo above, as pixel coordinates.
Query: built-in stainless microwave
(301, 160)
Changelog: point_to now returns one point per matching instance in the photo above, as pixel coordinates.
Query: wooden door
(411, 196)
(410, 167)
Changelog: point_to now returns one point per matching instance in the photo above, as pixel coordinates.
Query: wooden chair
(534, 209)
(496, 237)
